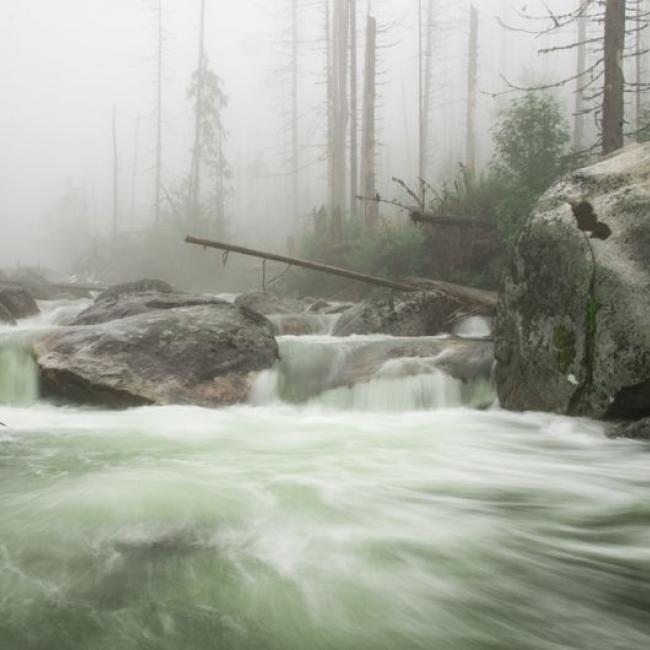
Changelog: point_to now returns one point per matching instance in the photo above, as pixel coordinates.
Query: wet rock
(329, 308)
(639, 430)
(125, 304)
(268, 303)
(572, 324)
(417, 314)
(5, 316)
(19, 303)
(206, 354)
(139, 286)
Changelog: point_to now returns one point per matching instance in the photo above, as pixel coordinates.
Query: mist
(65, 66)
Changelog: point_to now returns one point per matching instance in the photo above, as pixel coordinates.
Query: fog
(65, 65)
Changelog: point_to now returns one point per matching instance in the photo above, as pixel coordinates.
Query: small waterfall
(396, 394)
(18, 376)
(303, 324)
(474, 327)
(371, 373)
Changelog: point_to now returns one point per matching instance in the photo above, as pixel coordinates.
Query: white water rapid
(364, 499)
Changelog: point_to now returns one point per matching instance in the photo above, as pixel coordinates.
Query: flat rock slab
(206, 354)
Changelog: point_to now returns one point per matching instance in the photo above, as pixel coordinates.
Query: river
(391, 516)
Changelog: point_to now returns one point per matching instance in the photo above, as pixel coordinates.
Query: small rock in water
(639, 430)
(5, 316)
(18, 303)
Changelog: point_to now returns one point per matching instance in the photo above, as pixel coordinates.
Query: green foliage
(212, 139)
(531, 139)
(564, 340)
(395, 250)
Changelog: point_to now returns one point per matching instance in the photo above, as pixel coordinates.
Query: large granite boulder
(18, 302)
(417, 314)
(573, 322)
(194, 352)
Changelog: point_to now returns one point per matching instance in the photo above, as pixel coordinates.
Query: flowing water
(326, 520)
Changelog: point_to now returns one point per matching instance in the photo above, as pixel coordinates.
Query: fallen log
(460, 222)
(487, 300)
(473, 298)
(305, 264)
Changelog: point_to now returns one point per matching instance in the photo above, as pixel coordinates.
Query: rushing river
(338, 522)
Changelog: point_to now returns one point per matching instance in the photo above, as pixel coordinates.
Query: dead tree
(581, 50)
(195, 174)
(354, 110)
(368, 151)
(340, 109)
(602, 82)
(159, 112)
(295, 126)
(472, 86)
(613, 99)
(477, 300)
(134, 170)
(115, 175)
(426, 71)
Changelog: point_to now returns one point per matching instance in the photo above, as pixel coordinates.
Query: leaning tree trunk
(613, 100)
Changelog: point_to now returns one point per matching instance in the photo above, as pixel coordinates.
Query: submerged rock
(18, 303)
(206, 354)
(639, 430)
(572, 324)
(418, 314)
(268, 303)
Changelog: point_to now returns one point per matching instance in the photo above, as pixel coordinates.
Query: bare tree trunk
(134, 172)
(368, 157)
(613, 101)
(221, 191)
(115, 174)
(341, 109)
(330, 106)
(295, 127)
(158, 188)
(354, 110)
(426, 94)
(195, 176)
(638, 108)
(472, 84)
(579, 120)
